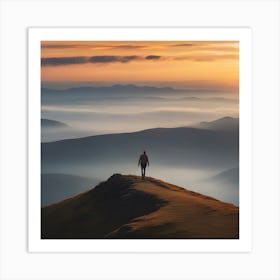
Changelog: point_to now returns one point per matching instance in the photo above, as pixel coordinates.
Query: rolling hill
(182, 146)
(125, 206)
(226, 124)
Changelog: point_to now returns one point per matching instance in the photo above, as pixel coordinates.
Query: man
(143, 160)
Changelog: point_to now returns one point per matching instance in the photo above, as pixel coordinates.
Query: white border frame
(263, 16)
(243, 35)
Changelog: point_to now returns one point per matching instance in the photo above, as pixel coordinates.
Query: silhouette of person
(143, 161)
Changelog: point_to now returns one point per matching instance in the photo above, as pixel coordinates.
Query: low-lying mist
(198, 180)
(198, 160)
(103, 113)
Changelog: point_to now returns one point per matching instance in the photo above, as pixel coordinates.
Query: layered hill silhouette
(46, 123)
(225, 124)
(125, 206)
(78, 95)
(181, 146)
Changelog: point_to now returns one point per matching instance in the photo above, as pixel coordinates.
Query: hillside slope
(181, 146)
(128, 207)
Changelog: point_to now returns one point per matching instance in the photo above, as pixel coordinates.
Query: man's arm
(148, 160)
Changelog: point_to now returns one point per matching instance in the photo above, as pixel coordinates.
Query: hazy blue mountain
(223, 185)
(190, 157)
(47, 123)
(121, 92)
(181, 146)
(56, 187)
(230, 176)
(114, 88)
(226, 123)
(80, 93)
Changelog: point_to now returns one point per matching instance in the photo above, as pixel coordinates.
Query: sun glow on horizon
(216, 63)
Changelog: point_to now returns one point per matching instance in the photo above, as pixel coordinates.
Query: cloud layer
(153, 57)
(106, 59)
(113, 58)
(56, 61)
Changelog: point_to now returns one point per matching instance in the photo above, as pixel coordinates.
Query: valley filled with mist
(89, 133)
(128, 108)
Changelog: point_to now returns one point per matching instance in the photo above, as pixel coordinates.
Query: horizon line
(62, 85)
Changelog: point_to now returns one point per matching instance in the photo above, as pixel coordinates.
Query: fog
(198, 180)
(106, 112)
(58, 133)
(89, 113)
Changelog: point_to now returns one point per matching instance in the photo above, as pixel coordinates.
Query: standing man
(143, 160)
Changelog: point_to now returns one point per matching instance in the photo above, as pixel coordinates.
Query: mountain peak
(125, 206)
(226, 123)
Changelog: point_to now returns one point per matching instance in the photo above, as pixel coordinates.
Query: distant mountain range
(80, 94)
(114, 88)
(84, 94)
(127, 87)
(126, 207)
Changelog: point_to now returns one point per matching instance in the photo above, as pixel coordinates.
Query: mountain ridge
(226, 123)
(113, 87)
(130, 87)
(193, 127)
(197, 145)
(125, 206)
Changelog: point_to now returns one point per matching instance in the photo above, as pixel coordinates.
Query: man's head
(144, 152)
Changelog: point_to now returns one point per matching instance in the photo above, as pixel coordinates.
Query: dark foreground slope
(128, 207)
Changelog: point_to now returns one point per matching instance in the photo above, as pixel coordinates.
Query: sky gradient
(184, 64)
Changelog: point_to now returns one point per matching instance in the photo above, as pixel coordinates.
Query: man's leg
(143, 170)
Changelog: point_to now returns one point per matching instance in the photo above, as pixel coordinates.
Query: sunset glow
(177, 100)
(185, 64)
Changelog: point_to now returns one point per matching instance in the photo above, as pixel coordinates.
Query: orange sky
(212, 64)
